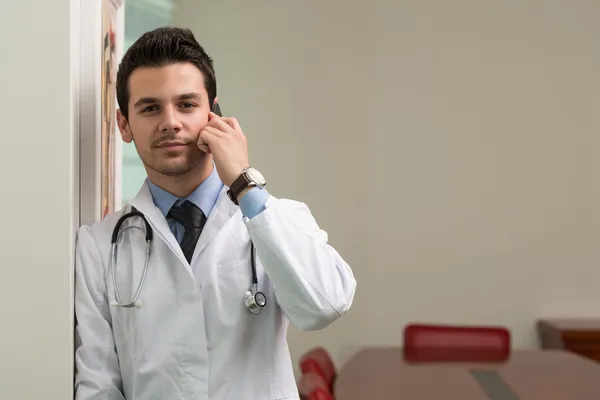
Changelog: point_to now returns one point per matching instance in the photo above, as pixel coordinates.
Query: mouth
(172, 145)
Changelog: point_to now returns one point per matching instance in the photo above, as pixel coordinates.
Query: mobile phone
(217, 109)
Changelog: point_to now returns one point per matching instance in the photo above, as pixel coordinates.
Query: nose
(170, 121)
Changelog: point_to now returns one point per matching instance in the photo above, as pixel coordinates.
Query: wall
(450, 149)
(38, 103)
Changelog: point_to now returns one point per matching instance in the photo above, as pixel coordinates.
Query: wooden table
(578, 335)
(383, 373)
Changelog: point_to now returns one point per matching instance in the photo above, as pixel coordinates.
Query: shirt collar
(204, 196)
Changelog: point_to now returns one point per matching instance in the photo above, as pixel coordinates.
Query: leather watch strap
(237, 187)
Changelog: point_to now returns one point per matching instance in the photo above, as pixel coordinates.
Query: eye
(151, 108)
(187, 105)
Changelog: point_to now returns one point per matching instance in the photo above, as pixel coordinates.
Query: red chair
(319, 361)
(428, 342)
(312, 386)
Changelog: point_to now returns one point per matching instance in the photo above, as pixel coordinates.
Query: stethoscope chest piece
(255, 300)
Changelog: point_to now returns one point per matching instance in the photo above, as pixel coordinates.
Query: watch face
(256, 177)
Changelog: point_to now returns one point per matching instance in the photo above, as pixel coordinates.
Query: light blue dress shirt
(205, 197)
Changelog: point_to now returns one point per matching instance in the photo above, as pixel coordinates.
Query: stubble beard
(154, 163)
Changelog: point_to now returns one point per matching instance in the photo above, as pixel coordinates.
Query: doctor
(191, 335)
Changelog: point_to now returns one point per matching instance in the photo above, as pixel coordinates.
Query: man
(193, 333)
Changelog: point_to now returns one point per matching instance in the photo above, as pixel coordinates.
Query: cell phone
(217, 110)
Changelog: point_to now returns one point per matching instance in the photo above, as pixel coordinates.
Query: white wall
(39, 199)
(451, 149)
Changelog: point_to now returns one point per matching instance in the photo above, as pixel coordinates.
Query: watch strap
(237, 187)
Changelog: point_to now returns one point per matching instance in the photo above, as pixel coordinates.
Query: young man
(221, 248)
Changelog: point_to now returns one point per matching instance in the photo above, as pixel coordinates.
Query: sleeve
(313, 285)
(97, 373)
(253, 203)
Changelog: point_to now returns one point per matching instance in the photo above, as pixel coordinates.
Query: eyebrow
(154, 100)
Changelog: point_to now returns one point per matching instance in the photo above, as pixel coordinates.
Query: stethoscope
(254, 300)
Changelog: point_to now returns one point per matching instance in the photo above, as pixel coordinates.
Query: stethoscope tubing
(135, 302)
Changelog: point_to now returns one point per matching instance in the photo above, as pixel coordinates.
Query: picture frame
(108, 128)
(102, 40)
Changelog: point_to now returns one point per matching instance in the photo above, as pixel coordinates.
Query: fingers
(214, 131)
(218, 122)
(232, 122)
(204, 147)
(225, 123)
(220, 132)
(208, 135)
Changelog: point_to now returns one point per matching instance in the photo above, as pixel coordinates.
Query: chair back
(319, 361)
(428, 342)
(312, 386)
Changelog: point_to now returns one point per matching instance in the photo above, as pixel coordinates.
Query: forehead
(165, 81)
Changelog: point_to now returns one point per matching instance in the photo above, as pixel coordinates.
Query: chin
(179, 168)
(177, 164)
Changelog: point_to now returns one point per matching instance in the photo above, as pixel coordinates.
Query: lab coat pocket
(235, 272)
(233, 279)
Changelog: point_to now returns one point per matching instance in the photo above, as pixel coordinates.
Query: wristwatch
(250, 177)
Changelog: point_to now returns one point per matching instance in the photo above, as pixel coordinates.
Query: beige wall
(451, 149)
(38, 174)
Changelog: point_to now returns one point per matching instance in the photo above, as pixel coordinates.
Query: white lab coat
(193, 338)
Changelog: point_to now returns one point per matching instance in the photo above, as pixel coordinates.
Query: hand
(223, 138)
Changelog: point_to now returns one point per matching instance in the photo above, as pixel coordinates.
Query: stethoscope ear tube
(135, 302)
(133, 213)
(253, 263)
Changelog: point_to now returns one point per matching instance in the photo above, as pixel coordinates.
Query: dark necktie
(192, 219)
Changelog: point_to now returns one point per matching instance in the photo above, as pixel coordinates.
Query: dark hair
(160, 47)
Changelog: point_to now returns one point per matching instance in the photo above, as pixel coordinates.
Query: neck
(181, 186)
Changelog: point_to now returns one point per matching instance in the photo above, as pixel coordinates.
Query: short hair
(161, 47)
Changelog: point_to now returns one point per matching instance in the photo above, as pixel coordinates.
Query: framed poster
(101, 42)
(109, 63)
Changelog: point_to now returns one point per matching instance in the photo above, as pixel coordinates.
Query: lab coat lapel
(143, 202)
(222, 212)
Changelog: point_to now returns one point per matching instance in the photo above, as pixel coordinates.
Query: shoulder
(100, 232)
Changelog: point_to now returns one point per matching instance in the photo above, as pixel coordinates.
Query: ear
(124, 127)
